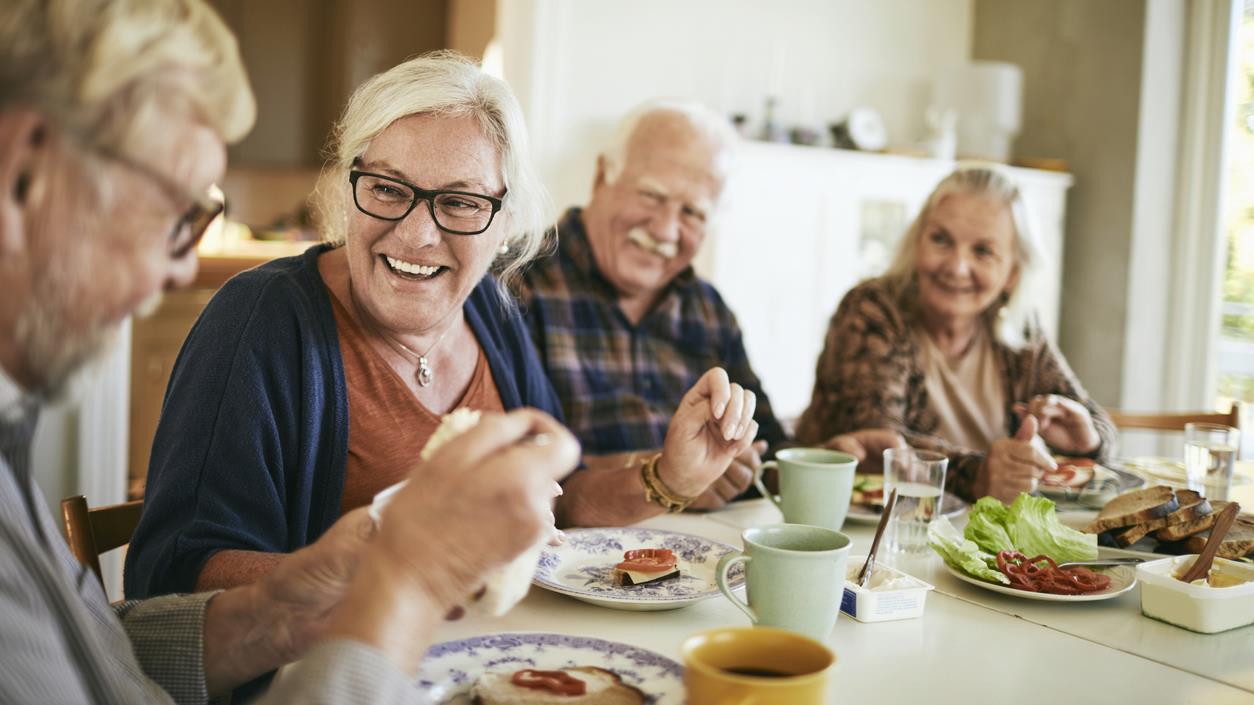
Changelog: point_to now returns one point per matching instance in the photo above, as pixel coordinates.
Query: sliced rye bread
(1134, 508)
(1192, 506)
(1183, 530)
(1239, 541)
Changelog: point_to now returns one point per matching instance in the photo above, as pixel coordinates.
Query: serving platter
(583, 567)
(451, 668)
(1122, 579)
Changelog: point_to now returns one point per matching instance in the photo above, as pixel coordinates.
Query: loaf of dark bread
(1183, 530)
(1193, 506)
(1238, 542)
(1135, 507)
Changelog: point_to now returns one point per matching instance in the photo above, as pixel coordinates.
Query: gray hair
(1012, 319)
(705, 121)
(108, 72)
(448, 84)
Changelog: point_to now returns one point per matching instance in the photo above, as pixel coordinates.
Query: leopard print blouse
(870, 375)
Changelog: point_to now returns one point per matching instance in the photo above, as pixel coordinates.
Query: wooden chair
(1174, 422)
(91, 532)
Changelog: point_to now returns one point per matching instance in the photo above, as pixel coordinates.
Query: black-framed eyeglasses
(195, 221)
(456, 212)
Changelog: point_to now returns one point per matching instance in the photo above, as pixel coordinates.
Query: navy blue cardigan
(250, 450)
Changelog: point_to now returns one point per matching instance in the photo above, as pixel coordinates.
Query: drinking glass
(1210, 454)
(919, 478)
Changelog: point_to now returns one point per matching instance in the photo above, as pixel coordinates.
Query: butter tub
(1198, 608)
(902, 601)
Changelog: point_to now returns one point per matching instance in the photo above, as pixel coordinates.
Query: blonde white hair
(104, 76)
(440, 83)
(1013, 317)
(703, 120)
(109, 72)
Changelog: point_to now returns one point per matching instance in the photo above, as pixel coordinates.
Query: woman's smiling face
(409, 275)
(966, 258)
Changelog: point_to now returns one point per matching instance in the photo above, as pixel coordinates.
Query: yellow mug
(756, 666)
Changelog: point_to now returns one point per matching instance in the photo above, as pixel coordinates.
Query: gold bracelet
(656, 491)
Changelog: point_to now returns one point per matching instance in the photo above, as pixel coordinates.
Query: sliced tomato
(1060, 477)
(556, 682)
(648, 560)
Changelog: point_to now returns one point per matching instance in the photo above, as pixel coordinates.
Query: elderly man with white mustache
(624, 326)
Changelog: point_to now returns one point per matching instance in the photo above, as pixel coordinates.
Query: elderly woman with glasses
(311, 383)
(944, 348)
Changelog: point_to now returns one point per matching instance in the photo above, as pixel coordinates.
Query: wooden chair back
(91, 532)
(1175, 422)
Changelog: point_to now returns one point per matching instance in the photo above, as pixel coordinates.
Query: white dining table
(969, 646)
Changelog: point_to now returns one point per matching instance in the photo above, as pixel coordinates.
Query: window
(1235, 350)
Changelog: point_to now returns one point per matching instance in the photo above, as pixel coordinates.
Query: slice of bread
(1237, 543)
(603, 688)
(1135, 507)
(1192, 506)
(1183, 530)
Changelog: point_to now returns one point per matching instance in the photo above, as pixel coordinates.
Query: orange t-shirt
(387, 425)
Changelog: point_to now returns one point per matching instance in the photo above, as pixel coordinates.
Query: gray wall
(1081, 65)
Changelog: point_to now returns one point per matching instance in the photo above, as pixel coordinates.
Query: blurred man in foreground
(114, 115)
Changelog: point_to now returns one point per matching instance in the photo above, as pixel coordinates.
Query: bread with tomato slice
(509, 585)
(645, 566)
(1072, 473)
(601, 687)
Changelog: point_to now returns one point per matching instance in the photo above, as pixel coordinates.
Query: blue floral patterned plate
(451, 668)
(583, 568)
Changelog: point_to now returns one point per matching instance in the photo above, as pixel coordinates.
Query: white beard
(54, 353)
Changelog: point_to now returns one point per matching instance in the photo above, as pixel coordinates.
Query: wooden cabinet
(156, 341)
(800, 226)
(155, 344)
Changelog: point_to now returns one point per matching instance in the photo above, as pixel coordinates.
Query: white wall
(577, 66)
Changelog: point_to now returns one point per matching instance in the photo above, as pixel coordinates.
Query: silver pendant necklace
(424, 375)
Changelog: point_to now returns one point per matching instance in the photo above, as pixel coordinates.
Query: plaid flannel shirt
(619, 383)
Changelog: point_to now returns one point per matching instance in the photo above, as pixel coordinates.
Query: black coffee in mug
(757, 672)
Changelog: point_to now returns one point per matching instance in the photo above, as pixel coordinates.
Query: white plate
(583, 567)
(1122, 579)
(951, 507)
(451, 668)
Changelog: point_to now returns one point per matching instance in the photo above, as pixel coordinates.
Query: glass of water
(919, 478)
(1210, 454)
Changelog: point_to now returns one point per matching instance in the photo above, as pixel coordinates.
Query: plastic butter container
(1200, 608)
(889, 594)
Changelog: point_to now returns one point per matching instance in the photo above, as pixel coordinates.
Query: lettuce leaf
(1030, 525)
(1035, 530)
(962, 554)
(987, 526)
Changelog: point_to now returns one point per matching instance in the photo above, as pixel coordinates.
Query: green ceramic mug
(815, 485)
(794, 577)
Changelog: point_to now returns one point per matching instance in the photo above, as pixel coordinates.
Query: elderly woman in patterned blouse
(944, 347)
